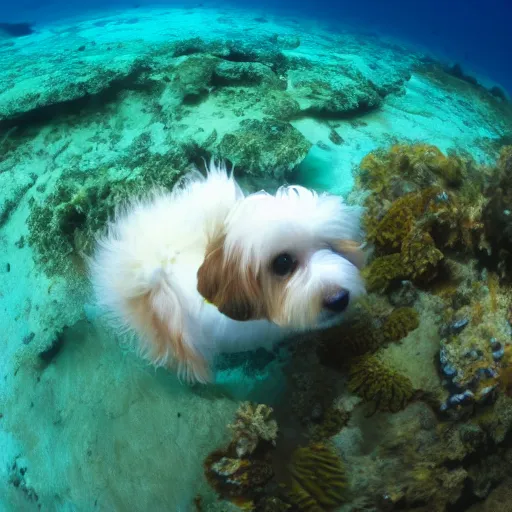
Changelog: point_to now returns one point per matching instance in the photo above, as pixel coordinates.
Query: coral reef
(497, 216)
(241, 480)
(241, 471)
(422, 206)
(264, 146)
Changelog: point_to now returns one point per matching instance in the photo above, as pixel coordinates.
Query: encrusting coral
(422, 205)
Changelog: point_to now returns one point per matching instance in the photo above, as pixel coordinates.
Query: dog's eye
(283, 264)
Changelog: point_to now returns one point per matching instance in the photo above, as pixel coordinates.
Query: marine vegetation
(497, 217)
(400, 323)
(364, 335)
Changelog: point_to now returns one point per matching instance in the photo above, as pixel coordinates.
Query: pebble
(498, 354)
(458, 326)
(449, 370)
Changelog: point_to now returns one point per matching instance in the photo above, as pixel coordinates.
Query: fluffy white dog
(205, 269)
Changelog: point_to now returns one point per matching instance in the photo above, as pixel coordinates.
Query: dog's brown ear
(352, 251)
(236, 294)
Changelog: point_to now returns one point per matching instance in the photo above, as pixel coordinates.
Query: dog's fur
(190, 272)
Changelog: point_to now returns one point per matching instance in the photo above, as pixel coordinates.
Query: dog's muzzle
(338, 302)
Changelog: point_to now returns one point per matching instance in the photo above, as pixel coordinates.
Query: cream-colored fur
(145, 268)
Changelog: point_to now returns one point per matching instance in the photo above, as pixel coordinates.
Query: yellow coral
(382, 271)
(420, 255)
(400, 323)
(394, 227)
(409, 167)
(374, 382)
(318, 478)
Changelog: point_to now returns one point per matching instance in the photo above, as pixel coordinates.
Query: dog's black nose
(338, 302)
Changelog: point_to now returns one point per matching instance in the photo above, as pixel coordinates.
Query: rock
(269, 146)
(243, 74)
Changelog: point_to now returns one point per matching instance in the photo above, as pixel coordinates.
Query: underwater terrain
(407, 406)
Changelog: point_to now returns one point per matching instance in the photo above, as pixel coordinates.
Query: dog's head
(293, 258)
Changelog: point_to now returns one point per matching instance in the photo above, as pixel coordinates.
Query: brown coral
(318, 478)
(374, 382)
(383, 271)
(238, 478)
(400, 323)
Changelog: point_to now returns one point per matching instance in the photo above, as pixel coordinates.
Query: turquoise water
(404, 406)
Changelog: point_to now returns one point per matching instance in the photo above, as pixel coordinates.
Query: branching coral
(253, 423)
(375, 382)
(241, 471)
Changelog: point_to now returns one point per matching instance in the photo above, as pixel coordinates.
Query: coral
(318, 478)
(400, 323)
(241, 471)
(338, 344)
(375, 382)
(504, 164)
(242, 479)
(252, 424)
(406, 168)
(244, 74)
(421, 205)
(420, 256)
(193, 77)
(383, 271)
(333, 420)
(397, 223)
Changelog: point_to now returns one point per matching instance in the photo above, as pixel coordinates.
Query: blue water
(111, 428)
(475, 33)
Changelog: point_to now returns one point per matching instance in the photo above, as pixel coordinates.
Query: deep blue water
(475, 33)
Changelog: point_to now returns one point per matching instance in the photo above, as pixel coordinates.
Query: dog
(206, 269)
